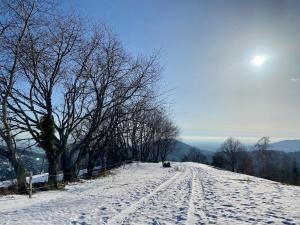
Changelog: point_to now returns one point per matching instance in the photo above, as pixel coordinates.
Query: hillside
(182, 149)
(286, 145)
(188, 193)
(33, 160)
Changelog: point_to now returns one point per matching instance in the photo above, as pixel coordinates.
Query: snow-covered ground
(40, 178)
(145, 193)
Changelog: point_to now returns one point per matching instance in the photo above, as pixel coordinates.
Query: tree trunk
(163, 156)
(157, 153)
(91, 165)
(20, 173)
(69, 175)
(68, 167)
(47, 142)
(52, 171)
(232, 167)
(12, 153)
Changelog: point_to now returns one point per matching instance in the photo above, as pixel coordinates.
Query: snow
(41, 178)
(146, 193)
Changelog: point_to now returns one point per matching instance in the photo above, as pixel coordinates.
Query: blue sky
(206, 48)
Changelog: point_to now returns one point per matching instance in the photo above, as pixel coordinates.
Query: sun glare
(258, 60)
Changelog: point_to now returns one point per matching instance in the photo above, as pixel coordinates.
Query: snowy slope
(188, 193)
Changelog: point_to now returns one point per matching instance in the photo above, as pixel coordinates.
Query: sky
(206, 51)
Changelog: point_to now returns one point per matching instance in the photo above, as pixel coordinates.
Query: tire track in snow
(169, 206)
(196, 213)
(119, 218)
(202, 196)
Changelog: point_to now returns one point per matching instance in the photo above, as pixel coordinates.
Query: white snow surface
(146, 193)
(40, 178)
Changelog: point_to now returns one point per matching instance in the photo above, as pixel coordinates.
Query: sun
(258, 60)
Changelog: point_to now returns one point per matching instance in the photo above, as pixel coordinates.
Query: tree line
(259, 161)
(70, 88)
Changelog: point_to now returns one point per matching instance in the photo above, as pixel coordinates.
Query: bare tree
(152, 134)
(261, 162)
(262, 146)
(245, 162)
(169, 134)
(231, 148)
(45, 61)
(114, 79)
(78, 90)
(17, 17)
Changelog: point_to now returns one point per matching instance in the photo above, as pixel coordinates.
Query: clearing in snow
(146, 193)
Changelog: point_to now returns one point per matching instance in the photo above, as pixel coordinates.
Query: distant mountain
(211, 146)
(286, 146)
(182, 149)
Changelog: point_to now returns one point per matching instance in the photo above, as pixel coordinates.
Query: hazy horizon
(213, 144)
(246, 140)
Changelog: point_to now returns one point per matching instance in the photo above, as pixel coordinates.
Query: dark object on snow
(166, 164)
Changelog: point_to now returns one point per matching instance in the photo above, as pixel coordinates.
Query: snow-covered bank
(148, 194)
(42, 178)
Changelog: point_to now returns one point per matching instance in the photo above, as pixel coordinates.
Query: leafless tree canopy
(75, 92)
(261, 161)
(17, 18)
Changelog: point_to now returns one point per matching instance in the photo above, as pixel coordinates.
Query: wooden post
(30, 185)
